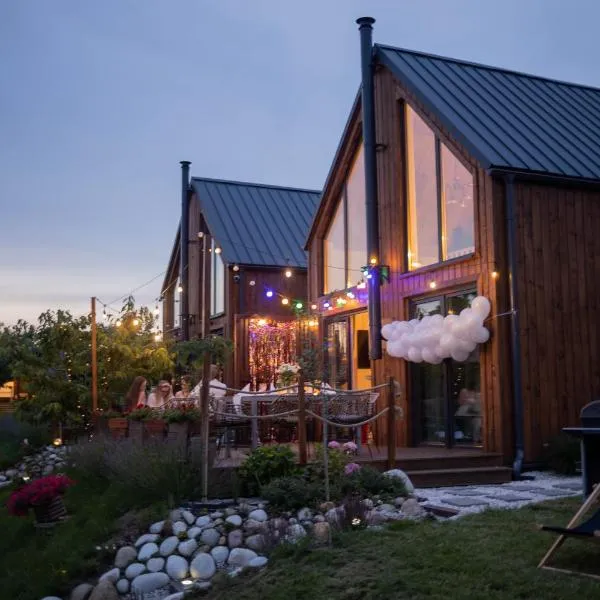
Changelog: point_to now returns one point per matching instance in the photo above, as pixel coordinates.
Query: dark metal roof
(506, 119)
(257, 224)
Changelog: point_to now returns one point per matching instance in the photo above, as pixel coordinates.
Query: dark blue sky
(100, 100)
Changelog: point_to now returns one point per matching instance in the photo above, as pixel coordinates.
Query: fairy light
(373, 260)
(262, 322)
(180, 288)
(312, 323)
(157, 337)
(236, 268)
(118, 323)
(269, 293)
(136, 322)
(495, 274)
(313, 307)
(217, 250)
(288, 273)
(252, 282)
(350, 295)
(299, 305)
(326, 305)
(432, 285)
(285, 301)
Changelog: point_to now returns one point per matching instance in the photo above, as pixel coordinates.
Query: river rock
(234, 520)
(149, 582)
(228, 511)
(187, 548)
(177, 567)
(235, 538)
(256, 542)
(125, 556)
(321, 532)
(305, 514)
(169, 546)
(220, 554)
(399, 474)
(411, 508)
(203, 521)
(105, 590)
(122, 586)
(296, 532)
(194, 532)
(258, 515)
(112, 575)
(210, 537)
(145, 539)
(147, 551)
(175, 514)
(155, 564)
(81, 592)
(179, 527)
(132, 571)
(258, 563)
(217, 515)
(203, 566)
(240, 557)
(188, 517)
(157, 527)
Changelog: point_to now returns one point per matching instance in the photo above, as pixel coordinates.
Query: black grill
(590, 414)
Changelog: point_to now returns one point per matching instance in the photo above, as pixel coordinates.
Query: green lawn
(487, 556)
(36, 563)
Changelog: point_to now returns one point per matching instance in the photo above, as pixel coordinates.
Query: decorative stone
(194, 532)
(256, 542)
(252, 526)
(234, 520)
(122, 586)
(230, 511)
(155, 564)
(169, 546)
(210, 537)
(81, 592)
(318, 519)
(11, 473)
(386, 508)
(375, 518)
(157, 527)
(258, 563)
(296, 532)
(146, 538)
(465, 492)
(399, 501)
(305, 514)
(175, 515)
(368, 503)
(332, 516)
(217, 515)
(175, 596)
(222, 540)
(258, 515)
(457, 502)
(240, 557)
(132, 571)
(179, 527)
(112, 576)
(105, 590)
(326, 506)
(203, 566)
(235, 538)
(125, 556)
(188, 517)
(399, 474)
(220, 554)
(177, 567)
(321, 532)
(149, 582)
(147, 551)
(187, 548)
(203, 521)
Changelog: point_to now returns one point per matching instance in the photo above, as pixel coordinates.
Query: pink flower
(351, 468)
(350, 447)
(333, 445)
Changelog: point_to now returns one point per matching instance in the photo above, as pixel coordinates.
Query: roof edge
(251, 184)
(172, 259)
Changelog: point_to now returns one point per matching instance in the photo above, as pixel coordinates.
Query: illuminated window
(345, 245)
(441, 222)
(217, 292)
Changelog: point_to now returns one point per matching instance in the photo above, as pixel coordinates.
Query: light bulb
(312, 323)
(326, 305)
(373, 260)
(350, 295)
(269, 293)
(118, 323)
(217, 250)
(299, 305)
(432, 285)
(262, 322)
(285, 301)
(314, 306)
(180, 288)
(136, 322)
(252, 282)
(288, 273)
(495, 274)
(236, 268)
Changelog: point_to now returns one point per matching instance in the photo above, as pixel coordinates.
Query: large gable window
(217, 289)
(345, 245)
(441, 223)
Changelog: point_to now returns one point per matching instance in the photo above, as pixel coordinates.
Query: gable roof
(256, 224)
(506, 119)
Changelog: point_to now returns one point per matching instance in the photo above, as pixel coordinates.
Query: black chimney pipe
(184, 250)
(365, 27)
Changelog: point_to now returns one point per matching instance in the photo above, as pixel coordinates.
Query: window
(345, 245)
(217, 289)
(441, 222)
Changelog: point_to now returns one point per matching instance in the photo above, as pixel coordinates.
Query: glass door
(446, 398)
(338, 353)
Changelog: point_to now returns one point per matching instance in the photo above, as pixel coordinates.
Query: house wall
(558, 245)
(403, 286)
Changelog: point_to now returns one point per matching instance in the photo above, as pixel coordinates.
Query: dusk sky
(99, 101)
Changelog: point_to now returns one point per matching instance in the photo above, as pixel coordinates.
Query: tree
(189, 355)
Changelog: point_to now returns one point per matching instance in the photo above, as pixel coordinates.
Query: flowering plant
(143, 414)
(333, 445)
(38, 492)
(185, 411)
(287, 373)
(350, 448)
(351, 468)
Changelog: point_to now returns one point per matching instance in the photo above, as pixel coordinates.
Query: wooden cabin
(458, 148)
(245, 272)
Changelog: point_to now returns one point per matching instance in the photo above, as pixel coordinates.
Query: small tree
(190, 354)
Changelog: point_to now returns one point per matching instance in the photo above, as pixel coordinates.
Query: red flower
(37, 492)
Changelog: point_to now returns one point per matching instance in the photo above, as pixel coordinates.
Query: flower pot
(136, 431)
(118, 428)
(155, 428)
(50, 513)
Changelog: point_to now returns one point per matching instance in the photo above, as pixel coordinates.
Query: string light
(285, 301)
(326, 305)
(288, 273)
(136, 322)
(217, 250)
(312, 323)
(252, 282)
(236, 268)
(118, 323)
(432, 285)
(157, 337)
(373, 260)
(495, 274)
(269, 293)
(299, 305)
(180, 288)
(314, 306)
(350, 295)
(262, 322)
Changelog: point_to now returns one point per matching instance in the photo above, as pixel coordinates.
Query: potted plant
(44, 496)
(287, 375)
(180, 421)
(136, 422)
(117, 424)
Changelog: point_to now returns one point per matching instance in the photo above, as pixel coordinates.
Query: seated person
(161, 395)
(186, 387)
(217, 388)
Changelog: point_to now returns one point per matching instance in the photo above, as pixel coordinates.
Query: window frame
(405, 108)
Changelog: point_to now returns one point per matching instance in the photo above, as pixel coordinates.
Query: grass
(36, 563)
(489, 556)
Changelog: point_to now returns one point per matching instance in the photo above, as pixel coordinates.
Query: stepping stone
(509, 497)
(577, 486)
(465, 502)
(554, 493)
(441, 511)
(466, 493)
(536, 489)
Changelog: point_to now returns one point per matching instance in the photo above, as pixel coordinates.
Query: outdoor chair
(589, 529)
(350, 408)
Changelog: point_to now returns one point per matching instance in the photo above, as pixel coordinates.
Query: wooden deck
(427, 466)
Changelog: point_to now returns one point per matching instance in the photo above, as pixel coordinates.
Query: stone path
(474, 499)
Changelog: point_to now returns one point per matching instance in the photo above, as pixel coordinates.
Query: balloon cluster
(434, 338)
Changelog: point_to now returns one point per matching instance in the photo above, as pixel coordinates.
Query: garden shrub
(337, 462)
(265, 464)
(293, 492)
(562, 454)
(367, 481)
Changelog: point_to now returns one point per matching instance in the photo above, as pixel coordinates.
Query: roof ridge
(251, 184)
(487, 67)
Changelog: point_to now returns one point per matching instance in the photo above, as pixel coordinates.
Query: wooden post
(94, 359)
(204, 399)
(302, 457)
(325, 413)
(391, 424)
(254, 423)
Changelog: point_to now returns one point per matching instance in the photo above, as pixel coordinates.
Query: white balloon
(428, 355)
(481, 336)
(459, 330)
(388, 331)
(437, 320)
(413, 323)
(402, 327)
(465, 313)
(414, 355)
(460, 355)
(466, 345)
(437, 360)
(441, 353)
(449, 322)
(481, 305)
(446, 342)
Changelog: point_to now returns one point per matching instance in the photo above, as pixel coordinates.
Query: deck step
(464, 476)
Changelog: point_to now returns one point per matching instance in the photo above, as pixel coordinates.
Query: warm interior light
(158, 337)
(312, 323)
(57, 442)
(285, 301)
(288, 273)
(495, 274)
(373, 260)
(217, 250)
(236, 268)
(180, 288)
(262, 322)
(314, 306)
(432, 285)
(136, 322)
